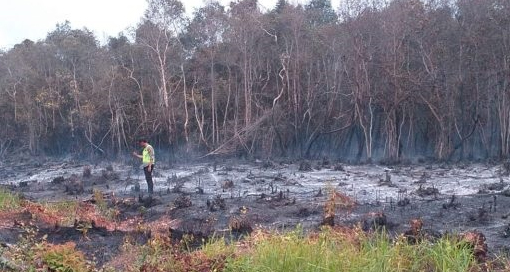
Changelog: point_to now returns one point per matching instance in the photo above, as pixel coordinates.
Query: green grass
(8, 200)
(336, 252)
(66, 210)
(450, 254)
(102, 206)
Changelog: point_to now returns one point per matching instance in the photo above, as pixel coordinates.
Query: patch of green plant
(218, 246)
(34, 253)
(330, 251)
(64, 258)
(84, 228)
(449, 254)
(99, 199)
(8, 200)
(217, 252)
(102, 205)
(66, 209)
(157, 253)
(142, 210)
(24, 253)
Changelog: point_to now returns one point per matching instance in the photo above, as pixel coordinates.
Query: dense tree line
(387, 80)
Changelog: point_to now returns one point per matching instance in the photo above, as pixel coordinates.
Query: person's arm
(137, 155)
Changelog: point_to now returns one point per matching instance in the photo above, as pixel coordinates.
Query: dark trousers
(148, 178)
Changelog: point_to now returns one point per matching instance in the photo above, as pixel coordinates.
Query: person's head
(143, 142)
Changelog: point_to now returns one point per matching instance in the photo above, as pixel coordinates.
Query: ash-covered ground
(205, 197)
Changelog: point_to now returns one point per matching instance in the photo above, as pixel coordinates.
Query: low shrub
(8, 200)
(64, 258)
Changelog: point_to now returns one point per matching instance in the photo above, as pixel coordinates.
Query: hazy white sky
(33, 19)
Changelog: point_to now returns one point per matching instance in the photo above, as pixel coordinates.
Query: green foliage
(158, 253)
(65, 209)
(320, 12)
(24, 253)
(218, 246)
(36, 254)
(8, 200)
(450, 254)
(64, 258)
(356, 252)
(99, 199)
(102, 205)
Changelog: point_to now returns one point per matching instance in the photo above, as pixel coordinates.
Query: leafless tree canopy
(373, 80)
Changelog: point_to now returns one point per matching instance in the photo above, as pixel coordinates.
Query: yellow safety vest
(146, 156)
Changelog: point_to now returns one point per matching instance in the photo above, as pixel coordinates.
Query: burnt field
(232, 198)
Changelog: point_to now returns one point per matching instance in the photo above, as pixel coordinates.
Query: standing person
(148, 160)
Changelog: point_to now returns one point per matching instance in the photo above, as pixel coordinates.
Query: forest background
(391, 81)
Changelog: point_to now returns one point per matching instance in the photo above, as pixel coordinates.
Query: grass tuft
(352, 251)
(9, 200)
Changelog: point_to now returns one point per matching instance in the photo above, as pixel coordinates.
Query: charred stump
(417, 233)
(183, 201)
(328, 220)
(240, 224)
(305, 166)
(74, 186)
(375, 222)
